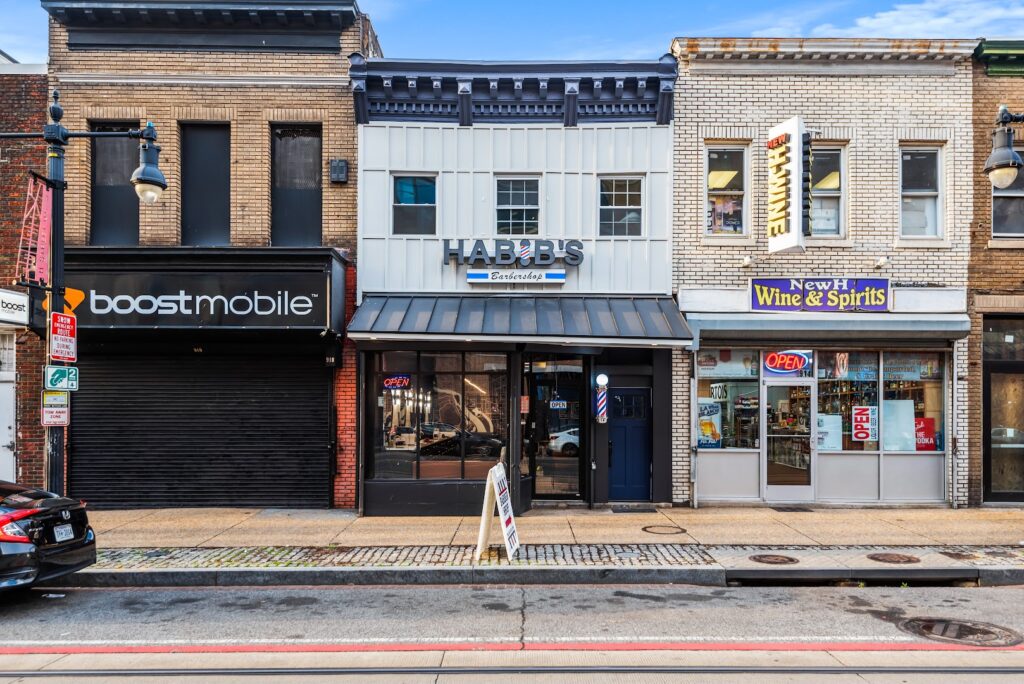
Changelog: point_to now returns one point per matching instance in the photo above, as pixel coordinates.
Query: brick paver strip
(530, 555)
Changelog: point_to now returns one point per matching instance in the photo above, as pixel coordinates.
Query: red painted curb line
(502, 646)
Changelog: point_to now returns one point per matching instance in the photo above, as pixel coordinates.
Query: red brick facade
(345, 393)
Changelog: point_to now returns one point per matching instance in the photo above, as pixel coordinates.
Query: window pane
(481, 361)
(920, 170)
(205, 185)
(115, 206)
(1007, 436)
(728, 414)
(725, 170)
(1008, 215)
(920, 216)
(439, 404)
(725, 215)
(826, 170)
(913, 402)
(486, 434)
(394, 433)
(727, 363)
(414, 190)
(847, 398)
(1004, 339)
(825, 212)
(296, 196)
(398, 361)
(441, 362)
(413, 220)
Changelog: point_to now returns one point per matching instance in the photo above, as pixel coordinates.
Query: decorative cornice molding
(1001, 57)
(304, 80)
(822, 49)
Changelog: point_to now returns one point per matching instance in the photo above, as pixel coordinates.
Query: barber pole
(524, 250)
(602, 404)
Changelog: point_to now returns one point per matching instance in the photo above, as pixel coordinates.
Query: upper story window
(919, 187)
(827, 192)
(115, 206)
(414, 208)
(296, 194)
(205, 185)
(726, 188)
(621, 207)
(1008, 210)
(518, 205)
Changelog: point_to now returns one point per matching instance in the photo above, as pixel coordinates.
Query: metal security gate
(202, 430)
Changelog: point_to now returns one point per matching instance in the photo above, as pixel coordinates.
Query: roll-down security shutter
(177, 431)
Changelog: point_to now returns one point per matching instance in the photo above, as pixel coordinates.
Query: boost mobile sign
(207, 300)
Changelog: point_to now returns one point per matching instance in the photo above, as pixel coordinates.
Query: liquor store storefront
(851, 407)
(206, 376)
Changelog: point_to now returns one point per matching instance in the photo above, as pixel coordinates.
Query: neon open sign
(397, 382)
(787, 361)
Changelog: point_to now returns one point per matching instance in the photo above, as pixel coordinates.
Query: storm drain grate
(791, 509)
(894, 558)
(774, 559)
(663, 529)
(961, 632)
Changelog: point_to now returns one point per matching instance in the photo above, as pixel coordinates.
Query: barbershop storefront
(825, 391)
(206, 376)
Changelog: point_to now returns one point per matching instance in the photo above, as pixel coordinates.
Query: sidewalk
(711, 546)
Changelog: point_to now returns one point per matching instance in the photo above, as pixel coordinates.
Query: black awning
(608, 321)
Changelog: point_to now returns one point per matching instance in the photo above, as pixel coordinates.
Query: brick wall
(868, 115)
(997, 265)
(345, 399)
(24, 99)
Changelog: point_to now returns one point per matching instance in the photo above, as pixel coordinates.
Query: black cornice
(272, 15)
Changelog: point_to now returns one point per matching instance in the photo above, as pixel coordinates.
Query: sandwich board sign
(496, 493)
(56, 408)
(60, 378)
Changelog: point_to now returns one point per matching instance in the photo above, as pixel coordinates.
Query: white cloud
(936, 19)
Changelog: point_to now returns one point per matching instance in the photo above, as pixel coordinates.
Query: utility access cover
(961, 632)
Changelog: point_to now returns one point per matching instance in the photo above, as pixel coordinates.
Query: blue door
(629, 448)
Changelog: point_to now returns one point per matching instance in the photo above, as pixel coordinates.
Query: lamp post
(149, 184)
(1002, 164)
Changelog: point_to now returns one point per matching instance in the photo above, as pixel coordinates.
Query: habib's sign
(788, 186)
(820, 294)
(202, 300)
(531, 259)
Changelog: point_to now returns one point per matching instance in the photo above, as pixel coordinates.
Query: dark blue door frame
(629, 444)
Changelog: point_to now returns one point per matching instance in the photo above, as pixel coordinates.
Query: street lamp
(149, 184)
(1002, 165)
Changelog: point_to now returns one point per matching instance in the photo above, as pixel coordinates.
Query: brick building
(23, 92)
(212, 355)
(834, 371)
(996, 295)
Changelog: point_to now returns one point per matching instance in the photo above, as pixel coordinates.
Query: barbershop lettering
(512, 252)
(819, 294)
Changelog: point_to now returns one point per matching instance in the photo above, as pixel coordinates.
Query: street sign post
(56, 408)
(63, 337)
(60, 378)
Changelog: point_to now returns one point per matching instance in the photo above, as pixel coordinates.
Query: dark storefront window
(115, 206)
(552, 429)
(1008, 209)
(205, 185)
(296, 195)
(439, 415)
(1004, 339)
(1003, 344)
(847, 392)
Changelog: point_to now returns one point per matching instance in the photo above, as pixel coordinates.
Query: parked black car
(42, 536)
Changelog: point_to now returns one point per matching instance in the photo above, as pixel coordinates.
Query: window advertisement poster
(864, 423)
(924, 433)
(903, 366)
(709, 435)
(847, 366)
(899, 431)
(830, 432)
(727, 363)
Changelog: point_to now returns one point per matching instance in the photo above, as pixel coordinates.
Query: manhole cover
(896, 558)
(961, 632)
(774, 559)
(663, 529)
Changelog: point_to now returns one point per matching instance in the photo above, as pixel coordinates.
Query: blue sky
(603, 29)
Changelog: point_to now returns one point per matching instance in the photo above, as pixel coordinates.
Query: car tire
(570, 451)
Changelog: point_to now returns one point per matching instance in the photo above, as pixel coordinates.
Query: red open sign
(787, 361)
(397, 382)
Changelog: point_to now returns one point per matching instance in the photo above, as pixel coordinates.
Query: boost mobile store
(206, 376)
(514, 264)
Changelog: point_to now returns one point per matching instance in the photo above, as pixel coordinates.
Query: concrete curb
(1000, 576)
(903, 574)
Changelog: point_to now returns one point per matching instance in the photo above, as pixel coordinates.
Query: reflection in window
(1008, 209)
(725, 186)
(1004, 338)
(414, 211)
(621, 207)
(847, 399)
(728, 399)
(913, 402)
(518, 206)
(826, 192)
(920, 193)
(440, 427)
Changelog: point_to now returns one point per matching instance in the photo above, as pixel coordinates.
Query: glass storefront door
(789, 440)
(1004, 434)
(553, 444)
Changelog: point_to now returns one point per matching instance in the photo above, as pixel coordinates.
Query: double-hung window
(518, 206)
(205, 185)
(414, 208)
(296, 194)
(621, 207)
(726, 188)
(920, 212)
(115, 206)
(1008, 210)
(827, 192)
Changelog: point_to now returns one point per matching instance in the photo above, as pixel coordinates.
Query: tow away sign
(60, 378)
(56, 408)
(63, 337)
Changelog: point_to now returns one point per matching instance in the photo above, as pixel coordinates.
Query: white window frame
(710, 147)
(392, 204)
(996, 192)
(539, 207)
(841, 193)
(643, 211)
(939, 194)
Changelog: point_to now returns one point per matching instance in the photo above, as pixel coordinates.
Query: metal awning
(859, 328)
(566, 319)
